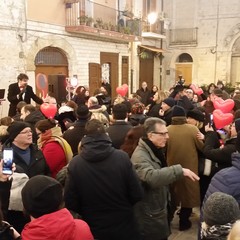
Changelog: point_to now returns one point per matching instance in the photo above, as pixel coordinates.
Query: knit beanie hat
(178, 112)
(83, 112)
(237, 124)
(196, 114)
(15, 128)
(42, 195)
(220, 209)
(169, 101)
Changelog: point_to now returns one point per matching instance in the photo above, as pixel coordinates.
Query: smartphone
(211, 119)
(7, 161)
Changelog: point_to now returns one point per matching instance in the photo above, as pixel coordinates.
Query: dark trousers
(184, 215)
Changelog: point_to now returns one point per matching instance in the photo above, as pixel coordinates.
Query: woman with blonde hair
(235, 232)
(155, 106)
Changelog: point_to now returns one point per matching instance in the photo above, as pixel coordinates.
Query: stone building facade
(201, 42)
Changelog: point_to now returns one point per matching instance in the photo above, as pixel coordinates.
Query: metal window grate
(51, 56)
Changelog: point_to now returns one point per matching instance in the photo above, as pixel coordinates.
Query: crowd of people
(120, 169)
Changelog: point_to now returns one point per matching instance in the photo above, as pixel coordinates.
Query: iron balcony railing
(183, 36)
(89, 13)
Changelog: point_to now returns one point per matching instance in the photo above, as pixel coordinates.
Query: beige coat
(182, 149)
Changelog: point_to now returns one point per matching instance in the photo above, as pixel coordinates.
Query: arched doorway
(235, 63)
(52, 64)
(184, 67)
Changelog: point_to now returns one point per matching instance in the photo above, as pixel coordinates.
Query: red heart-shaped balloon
(122, 90)
(125, 86)
(221, 119)
(49, 110)
(196, 89)
(225, 106)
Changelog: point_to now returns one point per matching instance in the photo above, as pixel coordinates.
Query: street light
(152, 18)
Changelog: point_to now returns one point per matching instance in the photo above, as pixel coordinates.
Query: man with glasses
(20, 91)
(28, 159)
(150, 164)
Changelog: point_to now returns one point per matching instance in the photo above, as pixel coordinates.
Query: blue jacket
(227, 180)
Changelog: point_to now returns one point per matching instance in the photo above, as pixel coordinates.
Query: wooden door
(184, 69)
(125, 69)
(235, 72)
(57, 87)
(112, 59)
(94, 77)
(50, 70)
(146, 72)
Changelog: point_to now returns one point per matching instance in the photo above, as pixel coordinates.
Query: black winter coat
(118, 131)
(212, 150)
(13, 91)
(103, 187)
(74, 135)
(4, 196)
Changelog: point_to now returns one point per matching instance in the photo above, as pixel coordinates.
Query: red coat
(58, 225)
(55, 157)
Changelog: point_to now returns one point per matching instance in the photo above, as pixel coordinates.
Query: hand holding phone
(7, 161)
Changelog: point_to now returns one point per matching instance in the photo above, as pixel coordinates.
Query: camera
(180, 82)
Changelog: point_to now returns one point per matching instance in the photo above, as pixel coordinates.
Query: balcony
(101, 22)
(183, 37)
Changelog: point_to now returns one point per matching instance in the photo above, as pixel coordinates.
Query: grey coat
(151, 212)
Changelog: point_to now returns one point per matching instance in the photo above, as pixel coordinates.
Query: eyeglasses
(163, 134)
(26, 132)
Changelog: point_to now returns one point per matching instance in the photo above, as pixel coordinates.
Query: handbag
(207, 167)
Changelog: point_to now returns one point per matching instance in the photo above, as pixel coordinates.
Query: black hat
(237, 124)
(178, 112)
(42, 195)
(169, 101)
(83, 112)
(15, 128)
(196, 114)
(220, 209)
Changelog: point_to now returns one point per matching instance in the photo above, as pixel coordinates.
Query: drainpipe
(216, 43)
(161, 56)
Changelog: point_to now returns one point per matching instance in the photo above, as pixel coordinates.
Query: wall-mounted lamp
(152, 18)
(213, 50)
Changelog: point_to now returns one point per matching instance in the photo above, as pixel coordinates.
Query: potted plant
(83, 19)
(89, 21)
(99, 23)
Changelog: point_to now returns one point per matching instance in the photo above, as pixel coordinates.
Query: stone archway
(53, 41)
(183, 67)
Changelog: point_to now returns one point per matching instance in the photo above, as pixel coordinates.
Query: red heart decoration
(196, 89)
(125, 86)
(49, 110)
(122, 90)
(221, 119)
(225, 106)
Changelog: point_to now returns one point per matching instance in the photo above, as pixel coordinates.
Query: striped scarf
(55, 135)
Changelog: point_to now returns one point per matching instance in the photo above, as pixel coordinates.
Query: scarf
(156, 151)
(215, 232)
(54, 135)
